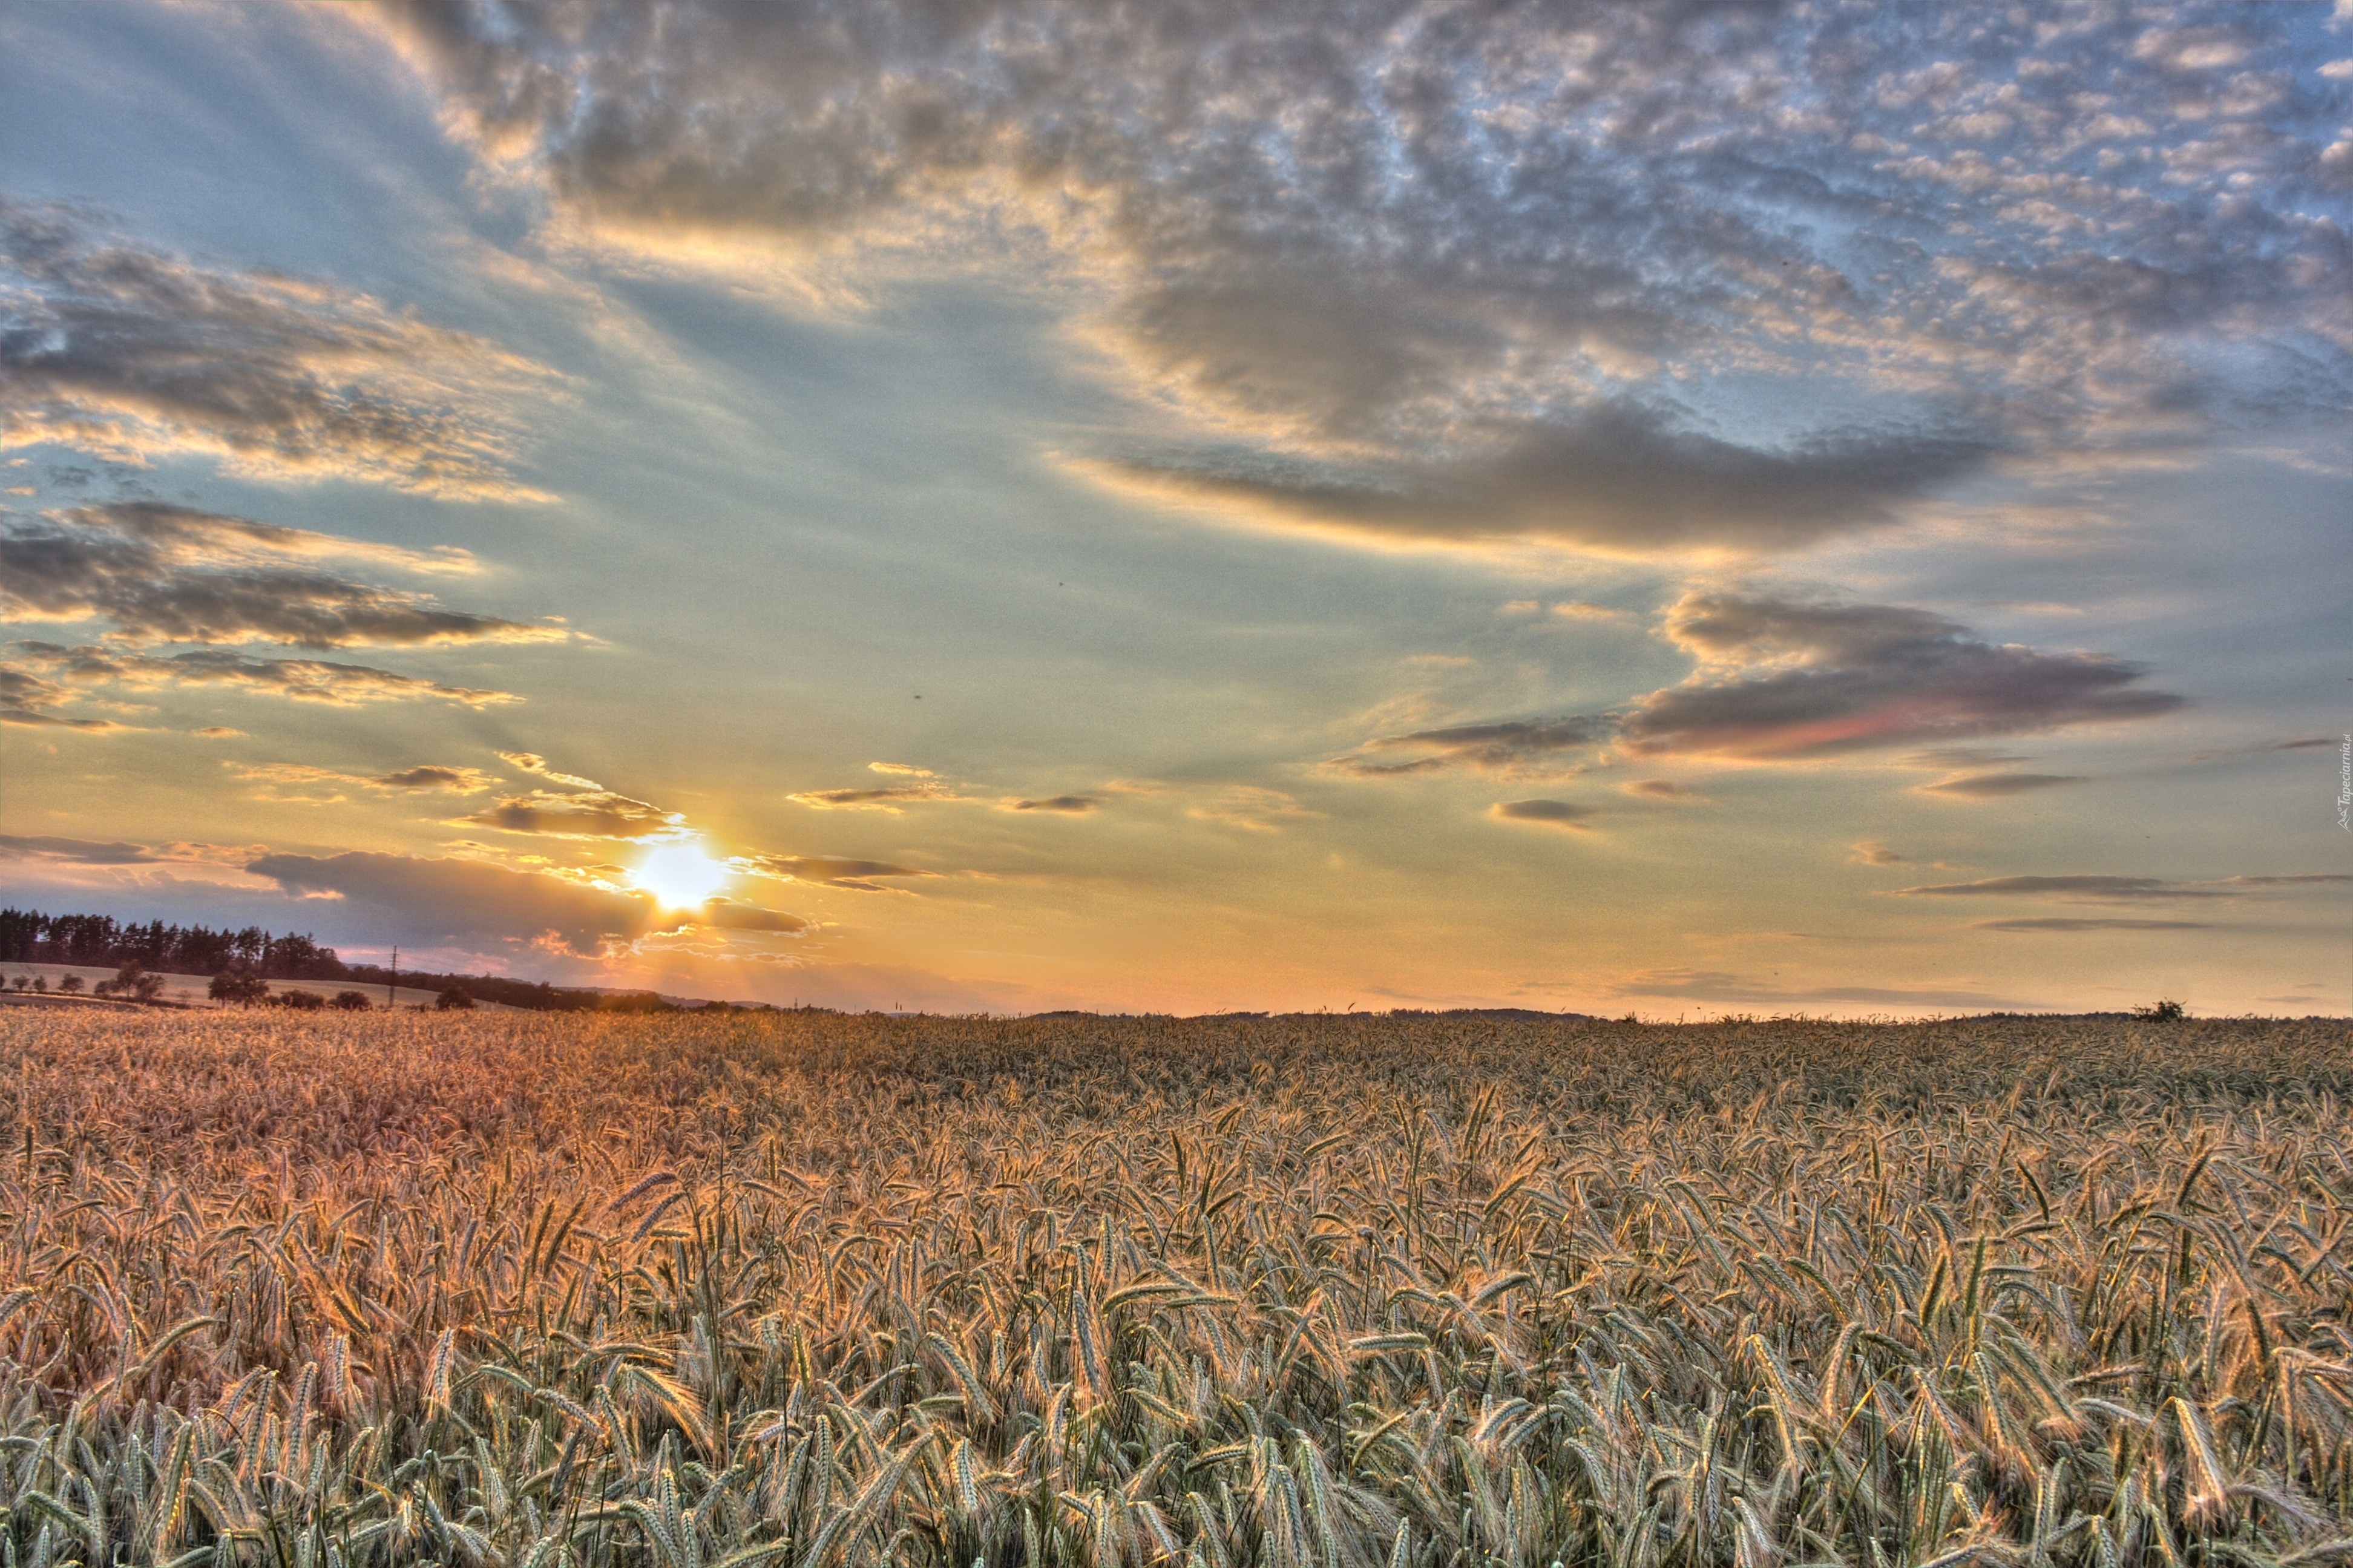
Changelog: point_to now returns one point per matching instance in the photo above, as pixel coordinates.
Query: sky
(1677, 509)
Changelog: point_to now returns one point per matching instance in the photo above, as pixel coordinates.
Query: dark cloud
(2267, 748)
(886, 799)
(1068, 805)
(1716, 986)
(1510, 747)
(2079, 888)
(129, 353)
(589, 814)
(428, 776)
(1781, 678)
(303, 679)
(2062, 923)
(81, 851)
(1549, 813)
(432, 777)
(429, 900)
(1661, 789)
(114, 852)
(859, 876)
(2307, 879)
(726, 915)
(1552, 270)
(1997, 787)
(1617, 478)
(26, 699)
(167, 574)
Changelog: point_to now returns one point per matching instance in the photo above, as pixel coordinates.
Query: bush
(352, 1001)
(69, 985)
(2163, 1013)
(240, 986)
(133, 982)
(299, 1000)
(456, 999)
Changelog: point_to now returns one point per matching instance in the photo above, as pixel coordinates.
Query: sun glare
(681, 875)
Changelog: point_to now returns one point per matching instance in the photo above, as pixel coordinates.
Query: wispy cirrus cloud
(830, 871)
(159, 573)
(2084, 888)
(424, 778)
(2066, 924)
(1541, 273)
(132, 353)
(116, 852)
(891, 797)
(1055, 804)
(1507, 747)
(1997, 787)
(584, 813)
(63, 673)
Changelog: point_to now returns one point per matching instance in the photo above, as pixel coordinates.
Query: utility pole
(391, 987)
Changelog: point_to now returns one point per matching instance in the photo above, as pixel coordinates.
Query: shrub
(299, 1000)
(69, 985)
(240, 986)
(456, 999)
(352, 1001)
(2162, 1012)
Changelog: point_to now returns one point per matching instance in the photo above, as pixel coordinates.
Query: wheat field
(301, 1292)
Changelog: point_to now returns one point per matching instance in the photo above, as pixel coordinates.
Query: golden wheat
(1311, 1293)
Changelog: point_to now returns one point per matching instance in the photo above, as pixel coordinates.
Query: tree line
(31, 936)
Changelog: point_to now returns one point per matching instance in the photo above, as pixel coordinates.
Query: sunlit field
(1312, 1292)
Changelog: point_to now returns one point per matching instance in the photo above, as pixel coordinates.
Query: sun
(679, 874)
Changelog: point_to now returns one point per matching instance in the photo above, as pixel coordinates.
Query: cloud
(1579, 610)
(435, 776)
(1715, 985)
(1510, 747)
(422, 900)
(1661, 789)
(1783, 679)
(590, 813)
(888, 799)
(859, 876)
(1549, 813)
(1551, 272)
(1066, 805)
(2267, 748)
(98, 852)
(134, 354)
(2081, 888)
(28, 700)
(726, 915)
(1997, 787)
(1614, 477)
(1251, 807)
(81, 851)
(425, 777)
(1870, 854)
(533, 763)
(167, 574)
(302, 679)
(2062, 923)
(2306, 879)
